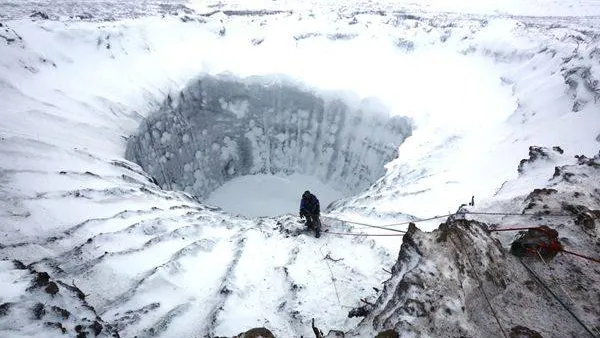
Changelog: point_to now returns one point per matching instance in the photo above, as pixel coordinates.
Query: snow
(478, 90)
(489, 7)
(269, 195)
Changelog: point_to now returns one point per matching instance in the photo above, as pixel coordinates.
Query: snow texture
(79, 80)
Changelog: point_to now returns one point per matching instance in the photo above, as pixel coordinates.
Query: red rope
(582, 256)
(513, 229)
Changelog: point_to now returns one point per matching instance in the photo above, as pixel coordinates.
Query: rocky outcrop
(537, 153)
(461, 280)
(37, 303)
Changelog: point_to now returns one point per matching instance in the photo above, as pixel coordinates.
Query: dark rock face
(461, 280)
(59, 310)
(56, 325)
(388, 334)
(96, 328)
(523, 332)
(51, 288)
(442, 280)
(219, 128)
(536, 154)
(4, 309)
(38, 311)
(41, 279)
(62, 312)
(582, 77)
(536, 197)
(19, 265)
(40, 15)
(259, 332)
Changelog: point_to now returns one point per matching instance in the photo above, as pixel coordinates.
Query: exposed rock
(96, 328)
(459, 280)
(52, 288)
(40, 15)
(38, 310)
(19, 265)
(360, 311)
(445, 274)
(4, 308)
(41, 279)
(73, 288)
(62, 312)
(592, 162)
(56, 325)
(584, 217)
(335, 334)
(388, 334)
(537, 154)
(259, 332)
(536, 197)
(523, 332)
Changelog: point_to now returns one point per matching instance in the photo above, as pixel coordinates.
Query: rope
(535, 276)
(387, 226)
(480, 286)
(511, 229)
(581, 256)
(554, 279)
(391, 224)
(512, 214)
(333, 279)
(559, 285)
(365, 235)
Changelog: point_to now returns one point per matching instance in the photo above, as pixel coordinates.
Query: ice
(269, 195)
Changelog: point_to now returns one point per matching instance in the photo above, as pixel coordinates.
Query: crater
(279, 135)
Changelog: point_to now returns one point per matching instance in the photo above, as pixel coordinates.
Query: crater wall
(221, 127)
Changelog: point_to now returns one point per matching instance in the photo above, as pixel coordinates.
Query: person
(310, 209)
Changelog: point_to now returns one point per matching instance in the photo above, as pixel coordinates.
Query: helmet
(306, 193)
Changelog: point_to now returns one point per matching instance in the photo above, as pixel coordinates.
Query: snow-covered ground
(486, 7)
(269, 195)
(479, 89)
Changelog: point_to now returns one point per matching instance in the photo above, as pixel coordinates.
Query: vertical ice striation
(222, 127)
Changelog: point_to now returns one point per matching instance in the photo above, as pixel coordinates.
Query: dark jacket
(310, 205)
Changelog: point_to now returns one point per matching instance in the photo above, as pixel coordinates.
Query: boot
(318, 228)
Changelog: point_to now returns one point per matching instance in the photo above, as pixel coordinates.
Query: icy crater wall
(221, 127)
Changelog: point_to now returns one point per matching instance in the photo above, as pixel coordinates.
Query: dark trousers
(313, 223)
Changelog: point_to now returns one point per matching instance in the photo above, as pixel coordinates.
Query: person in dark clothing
(310, 209)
